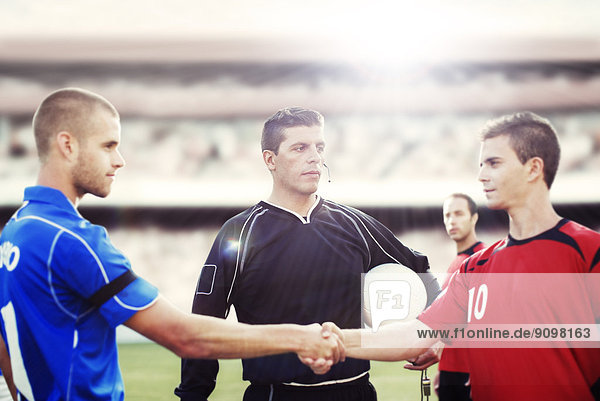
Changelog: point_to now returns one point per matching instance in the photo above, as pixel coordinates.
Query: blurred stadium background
(404, 90)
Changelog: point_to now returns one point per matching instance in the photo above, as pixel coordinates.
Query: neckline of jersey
(470, 250)
(303, 219)
(512, 241)
(53, 196)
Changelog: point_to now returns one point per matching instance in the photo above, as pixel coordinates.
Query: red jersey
(527, 373)
(455, 359)
(459, 259)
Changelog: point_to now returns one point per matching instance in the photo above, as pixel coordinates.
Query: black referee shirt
(276, 266)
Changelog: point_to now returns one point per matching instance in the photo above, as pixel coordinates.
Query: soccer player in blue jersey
(64, 287)
(298, 258)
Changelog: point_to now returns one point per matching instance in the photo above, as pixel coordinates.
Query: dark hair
(274, 129)
(68, 109)
(470, 202)
(530, 136)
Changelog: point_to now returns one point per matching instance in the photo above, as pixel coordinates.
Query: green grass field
(151, 373)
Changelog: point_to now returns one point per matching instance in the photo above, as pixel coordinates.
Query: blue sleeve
(89, 261)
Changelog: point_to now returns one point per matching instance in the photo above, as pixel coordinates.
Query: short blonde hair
(68, 109)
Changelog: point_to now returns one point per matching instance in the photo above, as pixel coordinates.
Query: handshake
(324, 347)
(327, 345)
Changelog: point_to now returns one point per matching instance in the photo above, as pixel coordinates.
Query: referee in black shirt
(294, 258)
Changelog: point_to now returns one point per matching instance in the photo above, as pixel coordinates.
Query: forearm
(392, 342)
(212, 338)
(7, 369)
(205, 337)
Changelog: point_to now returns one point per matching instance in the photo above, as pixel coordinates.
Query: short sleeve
(449, 309)
(87, 263)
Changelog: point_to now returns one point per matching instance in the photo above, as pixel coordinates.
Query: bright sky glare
(350, 19)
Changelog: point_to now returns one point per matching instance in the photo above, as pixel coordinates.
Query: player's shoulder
(64, 235)
(587, 242)
(480, 257)
(57, 220)
(332, 205)
(579, 232)
(348, 212)
(88, 235)
(486, 251)
(479, 246)
(579, 237)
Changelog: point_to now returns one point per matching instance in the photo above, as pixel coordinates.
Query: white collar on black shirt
(304, 220)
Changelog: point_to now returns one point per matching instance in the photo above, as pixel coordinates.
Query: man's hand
(426, 359)
(328, 348)
(329, 328)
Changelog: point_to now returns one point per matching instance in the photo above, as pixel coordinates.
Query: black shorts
(358, 390)
(453, 386)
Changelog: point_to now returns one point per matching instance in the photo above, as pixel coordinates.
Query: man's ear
(535, 167)
(67, 145)
(474, 218)
(269, 159)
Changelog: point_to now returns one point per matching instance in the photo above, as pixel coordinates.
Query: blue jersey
(64, 288)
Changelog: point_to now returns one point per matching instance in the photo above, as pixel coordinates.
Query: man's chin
(494, 205)
(99, 194)
(310, 190)
(457, 237)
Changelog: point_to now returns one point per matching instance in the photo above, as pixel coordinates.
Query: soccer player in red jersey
(460, 217)
(519, 280)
